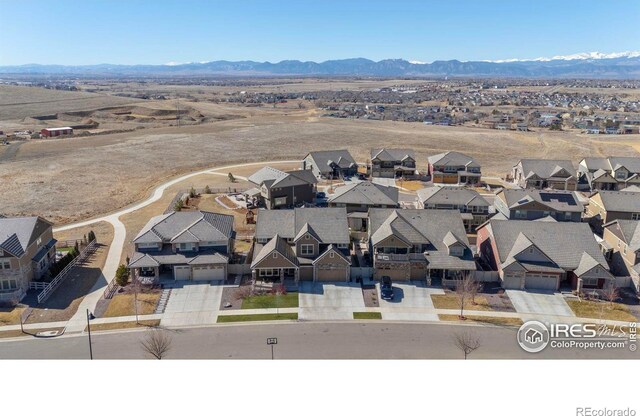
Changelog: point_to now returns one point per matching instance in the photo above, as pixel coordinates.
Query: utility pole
(89, 317)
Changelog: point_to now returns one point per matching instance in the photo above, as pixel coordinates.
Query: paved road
(376, 340)
(77, 322)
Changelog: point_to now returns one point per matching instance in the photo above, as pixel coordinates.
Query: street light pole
(89, 331)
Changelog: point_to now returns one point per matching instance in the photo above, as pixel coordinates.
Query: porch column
(281, 275)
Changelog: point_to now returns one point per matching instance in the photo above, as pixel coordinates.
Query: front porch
(276, 275)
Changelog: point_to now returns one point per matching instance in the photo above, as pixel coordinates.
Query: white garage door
(208, 273)
(541, 282)
(181, 272)
(512, 282)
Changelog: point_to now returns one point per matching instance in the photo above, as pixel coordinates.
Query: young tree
(192, 193)
(207, 190)
(466, 342)
(466, 289)
(232, 179)
(178, 206)
(156, 343)
(91, 236)
(122, 275)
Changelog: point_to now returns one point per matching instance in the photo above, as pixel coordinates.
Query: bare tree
(466, 289)
(611, 294)
(466, 342)
(156, 343)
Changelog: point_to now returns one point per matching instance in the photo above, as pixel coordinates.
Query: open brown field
(74, 178)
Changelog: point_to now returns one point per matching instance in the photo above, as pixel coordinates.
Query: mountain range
(624, 65)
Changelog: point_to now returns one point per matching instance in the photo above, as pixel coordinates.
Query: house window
(521, 214)
(331, 255)
(306, 249)
(262, 240)
(635, 216)
(342, 245)
(306, 237)
(275, 255)
(5, 264)
(9, 284)
(590, 282)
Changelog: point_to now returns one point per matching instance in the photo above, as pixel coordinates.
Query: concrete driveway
(193, 304)
(540, 303)
(329, 301)
(384, 181)
(412, 302)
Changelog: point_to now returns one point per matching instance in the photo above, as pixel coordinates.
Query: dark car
(386, 288)
(321, 195)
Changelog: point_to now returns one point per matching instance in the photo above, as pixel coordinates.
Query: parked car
(321, 195)
(361, 176)
(386, 288)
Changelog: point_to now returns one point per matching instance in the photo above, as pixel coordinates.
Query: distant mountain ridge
(624, 65)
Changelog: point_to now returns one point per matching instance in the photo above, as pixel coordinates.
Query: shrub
(122, 275)
(179, 205)
(192, 193)
(207, 190)
(91, 236)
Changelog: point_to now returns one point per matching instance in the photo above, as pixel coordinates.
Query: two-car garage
(531, 281)
(203, 272)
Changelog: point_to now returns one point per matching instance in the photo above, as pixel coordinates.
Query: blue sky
(156, 32)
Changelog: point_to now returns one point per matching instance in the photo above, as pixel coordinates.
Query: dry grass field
(74, 178)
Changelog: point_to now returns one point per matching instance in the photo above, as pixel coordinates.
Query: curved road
(78, 321)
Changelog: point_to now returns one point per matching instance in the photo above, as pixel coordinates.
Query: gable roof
(451, 195)
(563, 201)
(630, 230)
(323, 159)
(546, 168)
(619, 201)
(392, 155)
(333, 249)
(417, 226)
(562, 242)
(186, 226)
(329, 224)
(452, 159)
(365, 193)
(18, 233)
(278, 244)
(272, 177)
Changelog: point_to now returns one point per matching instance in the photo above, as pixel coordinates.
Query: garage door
(181, 272)
(512, 282)
(336, 274)
(208, 273)
(541, 282)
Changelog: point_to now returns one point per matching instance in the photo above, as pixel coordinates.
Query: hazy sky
(162, 31)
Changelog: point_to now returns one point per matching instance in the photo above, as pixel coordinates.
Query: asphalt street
(301, 340)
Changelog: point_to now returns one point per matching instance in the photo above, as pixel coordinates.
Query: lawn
(123, 325)
(11, 316)
(450, 301)
(122, 304)
(12, 334)
(258, 317)
(289, 300)
(410, 185)
(367, 315)
(493, 320)
(601, 310)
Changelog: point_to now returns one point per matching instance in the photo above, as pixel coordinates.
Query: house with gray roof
(473, 208)
(544, 255)
(357, 198)
(611, 173)
(278, 189)
(27, 250)
(544, 174)
(621, 245)
(418, 244)
(303, 244)
(533, 204)
(392, 163)
(607, 206)
(330, 164)
(185, 245)
(454, 168)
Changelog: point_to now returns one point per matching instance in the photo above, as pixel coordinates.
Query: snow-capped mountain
(576, 56)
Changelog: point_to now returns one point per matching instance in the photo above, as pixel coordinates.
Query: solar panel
(558, 197)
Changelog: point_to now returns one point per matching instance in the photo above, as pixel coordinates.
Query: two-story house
(283, 189)
(542, 255)
(607, 206)
(359, 197)
(392, 163)
(418, 244)
(186, 245)
(330, 164)
(544, 173)
(303, 244)
(27, 250)
(608, 174)
(533, 204)
(473, 207)
(454, 168)
(621, 244)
